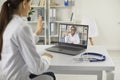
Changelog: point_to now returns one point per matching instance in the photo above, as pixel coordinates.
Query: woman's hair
(6, 14)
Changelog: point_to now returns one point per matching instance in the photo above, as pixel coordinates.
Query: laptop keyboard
(69, 48)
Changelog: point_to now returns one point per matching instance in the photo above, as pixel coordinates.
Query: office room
(25, 54)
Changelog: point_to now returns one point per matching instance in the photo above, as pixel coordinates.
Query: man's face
(73, 30)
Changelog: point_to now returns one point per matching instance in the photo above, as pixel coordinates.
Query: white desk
(65, 64)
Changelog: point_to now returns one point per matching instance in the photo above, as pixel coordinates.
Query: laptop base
(65, 51)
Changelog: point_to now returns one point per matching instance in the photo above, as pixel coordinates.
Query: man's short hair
(73, 27)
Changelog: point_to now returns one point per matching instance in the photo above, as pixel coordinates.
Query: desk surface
(67, 62)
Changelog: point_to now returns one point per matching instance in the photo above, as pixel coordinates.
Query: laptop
(72, 39)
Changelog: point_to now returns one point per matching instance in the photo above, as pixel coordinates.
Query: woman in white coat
(18, 55)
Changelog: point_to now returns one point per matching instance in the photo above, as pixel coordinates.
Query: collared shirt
(19, 55)
(72, 39)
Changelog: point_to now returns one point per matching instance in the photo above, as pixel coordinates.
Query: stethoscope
(91, 57)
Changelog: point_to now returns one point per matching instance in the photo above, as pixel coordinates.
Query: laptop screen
(73, 34)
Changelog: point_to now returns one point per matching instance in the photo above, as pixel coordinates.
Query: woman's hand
(39, 27)
(48, 55)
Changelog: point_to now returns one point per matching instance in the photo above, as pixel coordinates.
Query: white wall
(107, 16)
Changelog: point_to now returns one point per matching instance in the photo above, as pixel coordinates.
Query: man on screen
(73, 36)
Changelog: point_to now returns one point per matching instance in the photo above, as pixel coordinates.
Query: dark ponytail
(6, 14)
(4, 20)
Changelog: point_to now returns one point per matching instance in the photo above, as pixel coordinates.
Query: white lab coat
(19, 56)
(72, 39)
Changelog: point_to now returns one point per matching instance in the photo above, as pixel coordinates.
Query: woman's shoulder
(20, 25)
(21, 22)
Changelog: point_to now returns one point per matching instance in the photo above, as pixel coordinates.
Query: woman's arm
(39, 29)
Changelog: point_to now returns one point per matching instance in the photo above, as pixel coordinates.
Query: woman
(17, 44)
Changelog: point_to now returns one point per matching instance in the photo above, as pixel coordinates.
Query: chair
(43, 77)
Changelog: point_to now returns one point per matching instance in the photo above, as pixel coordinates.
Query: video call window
(73, 34)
